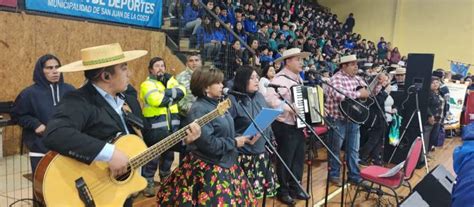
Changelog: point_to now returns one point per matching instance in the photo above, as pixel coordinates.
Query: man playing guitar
(88, 119)
(347, 81)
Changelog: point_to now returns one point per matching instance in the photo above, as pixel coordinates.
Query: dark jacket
(36, 104)
(217, 143)
(242, 122)
(84, 122)
(435, 106)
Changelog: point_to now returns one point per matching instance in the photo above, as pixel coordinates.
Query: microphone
(273, 85)
(227, 91)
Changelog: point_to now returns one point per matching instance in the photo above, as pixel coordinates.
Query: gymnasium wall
(442, 27)
(24, 38)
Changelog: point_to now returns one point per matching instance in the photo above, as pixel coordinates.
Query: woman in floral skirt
(253, 159)
(209, 174)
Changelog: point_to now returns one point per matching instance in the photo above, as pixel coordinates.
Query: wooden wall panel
(24, 38)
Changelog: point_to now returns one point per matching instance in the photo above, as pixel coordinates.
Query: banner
(459, 68)
(10, 3)
(457, 94)
(146, 13)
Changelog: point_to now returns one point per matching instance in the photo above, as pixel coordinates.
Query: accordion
(307, 100)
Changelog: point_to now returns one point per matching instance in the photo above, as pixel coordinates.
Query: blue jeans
(351, 139)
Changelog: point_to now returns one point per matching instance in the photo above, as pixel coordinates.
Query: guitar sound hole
(124, 176)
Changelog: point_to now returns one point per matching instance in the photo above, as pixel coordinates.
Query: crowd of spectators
(270, 27)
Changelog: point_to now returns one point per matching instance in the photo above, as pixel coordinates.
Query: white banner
(457, 94)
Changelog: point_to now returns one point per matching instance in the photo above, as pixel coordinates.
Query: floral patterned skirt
(197, 183)
(260, 172)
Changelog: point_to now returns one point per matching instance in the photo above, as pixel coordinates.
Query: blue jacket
(219, 35)
(250, 26)
(463, 164)
(36, 104)
(190, 14)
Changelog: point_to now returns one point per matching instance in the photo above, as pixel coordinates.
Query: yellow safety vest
(152, 93)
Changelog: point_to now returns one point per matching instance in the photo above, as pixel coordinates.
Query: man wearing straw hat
(290, 139)
(399, 84)
(347, 81)
(89, 118)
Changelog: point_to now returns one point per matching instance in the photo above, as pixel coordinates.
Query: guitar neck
(160, 147)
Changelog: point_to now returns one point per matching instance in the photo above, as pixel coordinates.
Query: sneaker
(149, 191)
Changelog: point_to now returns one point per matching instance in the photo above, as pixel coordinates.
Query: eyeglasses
(52, 67)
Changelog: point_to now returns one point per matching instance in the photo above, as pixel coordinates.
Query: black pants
(291, 146)
(373, 147)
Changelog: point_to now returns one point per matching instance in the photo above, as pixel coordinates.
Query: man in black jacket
(88, 119)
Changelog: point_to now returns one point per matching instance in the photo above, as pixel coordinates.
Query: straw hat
(102, 56)
(348, 58)
(293, 52)
(400, 71)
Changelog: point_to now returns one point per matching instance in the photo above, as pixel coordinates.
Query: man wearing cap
(346, 81)
(88, 119)
(290, 140)
(399, 84)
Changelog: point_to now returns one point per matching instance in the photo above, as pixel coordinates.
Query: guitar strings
(99, 187)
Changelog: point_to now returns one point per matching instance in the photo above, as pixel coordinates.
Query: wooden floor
(441, 156)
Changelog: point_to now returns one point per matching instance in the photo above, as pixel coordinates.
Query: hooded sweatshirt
(36, 104)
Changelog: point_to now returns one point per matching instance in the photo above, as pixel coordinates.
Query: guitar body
(356, 110)
(56, 175)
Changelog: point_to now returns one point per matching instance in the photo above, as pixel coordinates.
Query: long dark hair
(242, 77)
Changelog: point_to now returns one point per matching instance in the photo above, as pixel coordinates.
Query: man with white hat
(290, 139)
(89, 118)
(399, 83)
(347, 81)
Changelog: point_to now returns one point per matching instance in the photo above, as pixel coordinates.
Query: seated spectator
(240, 31)
(248, 57)
(262, 34)
(272, 44)
(264, 56)
(250, 24)
(191, 16)
(223, 14)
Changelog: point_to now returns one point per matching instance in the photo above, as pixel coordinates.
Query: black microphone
(273, 85)
(227, 92)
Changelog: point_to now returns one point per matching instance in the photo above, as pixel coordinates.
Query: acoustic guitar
(63, 181)
(358, 110)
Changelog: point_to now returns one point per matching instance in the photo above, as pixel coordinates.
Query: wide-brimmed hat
(102, 56)
(348, 59)
(293, 52)
(400, 71)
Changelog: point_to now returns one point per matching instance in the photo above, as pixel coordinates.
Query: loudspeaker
(417, 81)
(434, 189)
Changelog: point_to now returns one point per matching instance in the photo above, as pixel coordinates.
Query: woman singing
(209, 174)
(253, 159)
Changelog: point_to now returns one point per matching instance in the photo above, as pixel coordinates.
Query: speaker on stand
(419, 72)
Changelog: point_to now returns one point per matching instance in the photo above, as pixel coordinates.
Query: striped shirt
(346, 84)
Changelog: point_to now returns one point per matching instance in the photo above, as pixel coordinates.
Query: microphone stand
(310, 129)
(272, 149)
(334, 129)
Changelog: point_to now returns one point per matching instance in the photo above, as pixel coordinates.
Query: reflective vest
(160, 102)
